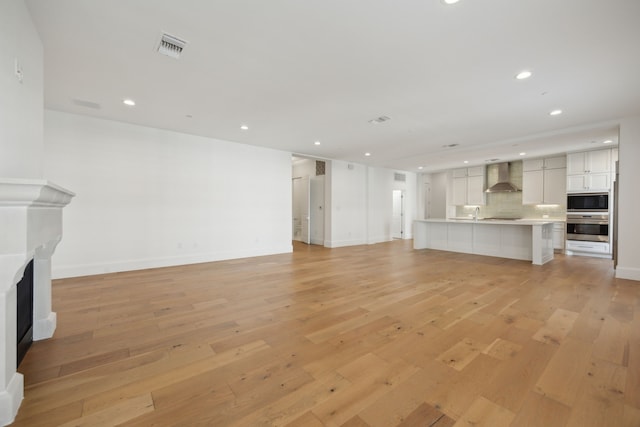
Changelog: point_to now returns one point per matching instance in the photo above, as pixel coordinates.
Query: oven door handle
(587, 221)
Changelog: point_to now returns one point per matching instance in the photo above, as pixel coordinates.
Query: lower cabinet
(558, 236)
(589, 248)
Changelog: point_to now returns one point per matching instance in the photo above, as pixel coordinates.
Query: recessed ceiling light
(316, 143)
(555, 113)
(129, 102)
(608, 141)
(244, 127)
(465, 162)
(522, 75)
(420, 167)
(523, 154)
(450, 1)
(367, 154)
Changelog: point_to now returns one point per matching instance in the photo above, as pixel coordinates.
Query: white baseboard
(379, 239)
(11, 398)
(629, 273)
(343, 243)
(64, 271)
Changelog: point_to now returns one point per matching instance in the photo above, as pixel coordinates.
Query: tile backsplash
(509, 205)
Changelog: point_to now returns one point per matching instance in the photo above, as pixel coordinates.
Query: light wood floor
(378, 335)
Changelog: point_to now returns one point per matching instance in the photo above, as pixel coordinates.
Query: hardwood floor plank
(556, 327)
(461, 354)
(117, 414)
(566, 372)
(538, 410)
(424, 415)
(373, 335)
(518, 375)
(484, 413)
(601, 398)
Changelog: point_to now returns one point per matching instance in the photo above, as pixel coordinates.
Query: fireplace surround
(30, 229)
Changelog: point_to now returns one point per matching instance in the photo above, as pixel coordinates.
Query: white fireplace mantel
(30, 228)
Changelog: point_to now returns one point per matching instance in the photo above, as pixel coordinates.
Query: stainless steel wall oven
(590, 227)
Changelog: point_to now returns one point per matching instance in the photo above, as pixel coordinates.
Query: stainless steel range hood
(503, 185)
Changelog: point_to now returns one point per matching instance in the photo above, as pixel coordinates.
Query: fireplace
(30, 230)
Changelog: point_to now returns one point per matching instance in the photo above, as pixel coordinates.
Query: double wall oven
(588, 217)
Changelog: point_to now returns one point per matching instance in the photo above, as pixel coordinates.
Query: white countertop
(492, 221)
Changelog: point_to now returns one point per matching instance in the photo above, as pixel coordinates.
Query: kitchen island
(516, 239)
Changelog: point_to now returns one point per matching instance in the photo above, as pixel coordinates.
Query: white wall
(410, 188)
(348, 205)
(148, 197)
(360, 199)
(20, 103)
(628, 200)
(379, 204)
(439, 185)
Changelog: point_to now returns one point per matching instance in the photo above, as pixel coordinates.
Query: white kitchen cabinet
(559, 162)
(578, 247)
(468, 186)
(543, 181)
(558, 236)
(589, 162)
(460, 191)
(475, 190)
(589, 171)
(588, 182)
(460, 173)
(532, 187)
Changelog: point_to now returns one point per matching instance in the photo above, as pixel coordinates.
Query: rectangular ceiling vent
(380, 119)
(400, 177)
(171, 46)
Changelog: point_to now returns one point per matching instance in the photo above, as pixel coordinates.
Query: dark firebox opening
(25, 312)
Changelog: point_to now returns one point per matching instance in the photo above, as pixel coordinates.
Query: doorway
(301, 216)
(308, 200)
(397, 216)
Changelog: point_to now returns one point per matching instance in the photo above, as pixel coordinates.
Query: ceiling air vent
(400, 177)
(171, 46)
(380, 119)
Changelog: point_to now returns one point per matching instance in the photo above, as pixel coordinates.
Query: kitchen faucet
(476, 212)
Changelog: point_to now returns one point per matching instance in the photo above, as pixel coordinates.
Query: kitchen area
(525, 208)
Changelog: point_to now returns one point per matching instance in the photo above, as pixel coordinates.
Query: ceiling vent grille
(380, 119)
(171, 46)
(400, 177)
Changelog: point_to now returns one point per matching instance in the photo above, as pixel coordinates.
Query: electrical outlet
(18, 71)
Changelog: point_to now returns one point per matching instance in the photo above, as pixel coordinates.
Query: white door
(317, 210)
(305, 201)
(397, 217)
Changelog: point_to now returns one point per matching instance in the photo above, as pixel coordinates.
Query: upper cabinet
(543, 181)
(468, 186)
(589, 171)
(589, 162)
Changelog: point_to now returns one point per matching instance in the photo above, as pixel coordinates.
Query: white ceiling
(297, 71)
